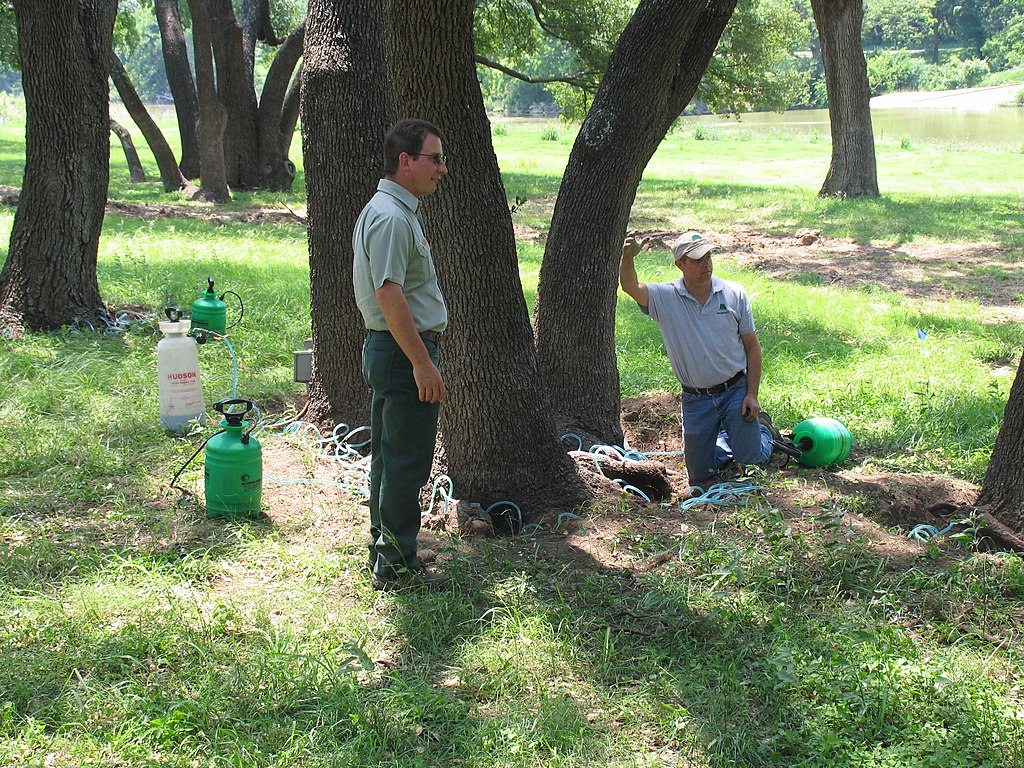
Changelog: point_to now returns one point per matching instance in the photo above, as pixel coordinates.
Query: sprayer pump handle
(234, 418)
(173, 314)
(209, 286)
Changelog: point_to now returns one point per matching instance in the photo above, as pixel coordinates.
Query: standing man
(399, 297)
(709, 334)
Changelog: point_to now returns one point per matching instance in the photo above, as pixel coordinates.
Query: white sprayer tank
(181, 389)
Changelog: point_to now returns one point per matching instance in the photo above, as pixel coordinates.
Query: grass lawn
(800, 629)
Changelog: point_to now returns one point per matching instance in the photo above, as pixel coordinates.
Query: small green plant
(905, 142)
(549, 133)
(705, 133)
(499, 129)
(1020, 98)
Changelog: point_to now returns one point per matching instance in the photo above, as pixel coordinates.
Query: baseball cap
(693, 245)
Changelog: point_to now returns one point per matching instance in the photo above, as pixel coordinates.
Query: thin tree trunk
(852, 172)
(236, 93)
(346, 109)
(170, 173)
(183, 87)
(651, 77)
(212, 115)
(1002, 494)
(136, 173)
(50, 278)
(290, 113)
(498, 438)
(276, 170)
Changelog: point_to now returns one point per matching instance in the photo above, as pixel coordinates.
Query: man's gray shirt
(703, 343)
(389, 244)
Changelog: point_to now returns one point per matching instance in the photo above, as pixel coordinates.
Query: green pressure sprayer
(234, 464)
(819, 442)
(209, 313)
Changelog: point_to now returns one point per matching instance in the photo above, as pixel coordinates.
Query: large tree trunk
(235, 89)
(852, 172)
(179, 79)
(346, 109)
(497, 434)
(170, 174)
(212, 115)
(651, 77)
(1002, 494)
(49, 278)
(277, 172)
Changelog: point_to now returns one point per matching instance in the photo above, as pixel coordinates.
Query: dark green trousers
(403, 431)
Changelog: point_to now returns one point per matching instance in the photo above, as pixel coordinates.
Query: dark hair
(406, 136)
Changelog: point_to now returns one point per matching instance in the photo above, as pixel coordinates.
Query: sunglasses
(438, 158)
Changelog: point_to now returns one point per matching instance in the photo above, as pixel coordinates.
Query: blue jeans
(715, 432)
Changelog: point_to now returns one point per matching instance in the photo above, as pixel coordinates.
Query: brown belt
(715, 389)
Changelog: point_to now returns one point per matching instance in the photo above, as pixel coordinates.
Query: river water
(965, 116)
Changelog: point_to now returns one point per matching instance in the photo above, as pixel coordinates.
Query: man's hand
(632, 246)
(627, 270)
(751, 408)
(429, 382)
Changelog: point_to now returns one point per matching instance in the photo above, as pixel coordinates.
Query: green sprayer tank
(209, 312)
(822, 442)
(234, 465)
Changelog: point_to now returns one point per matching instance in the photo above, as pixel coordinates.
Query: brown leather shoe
(420, 578)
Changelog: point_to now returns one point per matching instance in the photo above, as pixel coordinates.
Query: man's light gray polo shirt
(703, 343)
(388, 243)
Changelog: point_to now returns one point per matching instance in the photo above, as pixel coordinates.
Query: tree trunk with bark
(212, 115)
(651, 77)
(183, 87)
(49, 278)
(236, 92)
(170, 173)
(346, 109)
(497, 436)
(1002, 494)
(136, 173)
(852, 172)
(277, 172)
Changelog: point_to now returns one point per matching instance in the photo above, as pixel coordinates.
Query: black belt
(715, 389)
(434, 336)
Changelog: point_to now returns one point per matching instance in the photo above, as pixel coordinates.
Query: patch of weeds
(705, 133)
(549, 133)
(905, 142)
(808, 278)
(499, 129)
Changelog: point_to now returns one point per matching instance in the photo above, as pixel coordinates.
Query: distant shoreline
(973, 99)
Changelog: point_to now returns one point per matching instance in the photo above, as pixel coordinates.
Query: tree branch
(579, 81)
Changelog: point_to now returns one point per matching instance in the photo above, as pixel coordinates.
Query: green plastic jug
(822, 442)
(209, 312)
(234, 465)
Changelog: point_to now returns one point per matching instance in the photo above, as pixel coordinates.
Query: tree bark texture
(1002, 494)
(212, 114)
(290, 112)
(277, 172)
(136, 173)
(497, 435)
(651, 77)
(183, 87)
(346, 109)
(236, 93)
(49, 278)
(170, 173)
(852, 172)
